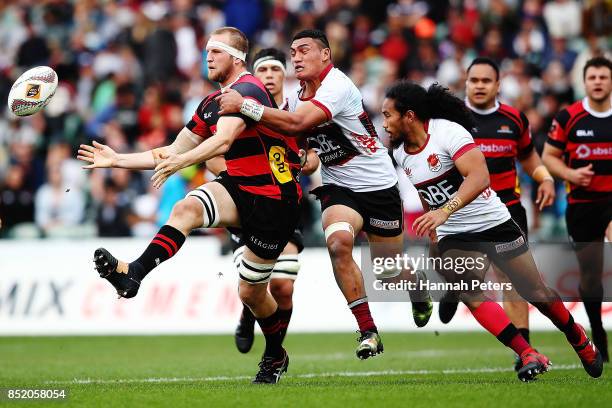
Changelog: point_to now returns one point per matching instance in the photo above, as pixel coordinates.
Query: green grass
(418, 369)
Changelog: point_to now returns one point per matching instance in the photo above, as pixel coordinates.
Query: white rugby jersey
(350, 151)
(432, 171)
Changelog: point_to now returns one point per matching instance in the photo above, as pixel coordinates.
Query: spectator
(563, 18)
(113, 214)
(16, 200)
(58, 207)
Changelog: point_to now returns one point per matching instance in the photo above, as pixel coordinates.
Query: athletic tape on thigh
(252, 272)
(286, 267)
(211, 210)
(339, 226)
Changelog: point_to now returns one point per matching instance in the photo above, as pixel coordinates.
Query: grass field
(422, 369)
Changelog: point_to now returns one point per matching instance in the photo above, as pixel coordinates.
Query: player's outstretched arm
(228, 128)
(99, 155)
(306, 116)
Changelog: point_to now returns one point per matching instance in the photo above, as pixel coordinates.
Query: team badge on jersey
(434, 162)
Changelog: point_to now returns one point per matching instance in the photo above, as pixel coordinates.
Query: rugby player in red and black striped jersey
(269, 66)
(579, 150)
(259, 193)
(504, 137)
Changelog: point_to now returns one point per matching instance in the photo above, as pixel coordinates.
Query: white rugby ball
(32, 91)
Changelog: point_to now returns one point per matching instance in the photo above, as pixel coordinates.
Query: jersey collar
(587, 107)
(482, 111)
(323, 74)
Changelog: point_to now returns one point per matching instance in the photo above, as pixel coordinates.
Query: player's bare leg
(210, 206)
(341, 225)
(526, 279)
(590, 259)
(390, 247)
(492, 317)
(281, 290)
(265, 309)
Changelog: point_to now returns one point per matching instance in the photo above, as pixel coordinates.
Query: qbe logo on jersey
(437, 194)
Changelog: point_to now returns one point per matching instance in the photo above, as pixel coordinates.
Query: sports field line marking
(163, 380)
(426, 353)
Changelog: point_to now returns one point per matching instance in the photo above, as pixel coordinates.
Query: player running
(428, 132)
(359, 189)
(503, 135)
(269, 67)
(259, 192)
(579, 150)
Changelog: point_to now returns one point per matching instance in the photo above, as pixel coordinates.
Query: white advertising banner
(51, 288)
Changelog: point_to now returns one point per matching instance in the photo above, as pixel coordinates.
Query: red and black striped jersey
(503, 135)
(260, 160)
(585, 136)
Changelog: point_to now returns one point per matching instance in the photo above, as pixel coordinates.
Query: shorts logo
(434, 162)
(509, 246)
(384, 224)
(408, 172)
(264, 245)
(33, 91)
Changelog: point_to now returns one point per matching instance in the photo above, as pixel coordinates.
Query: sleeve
(332, 97)
(525, 144)
(458, 141)
(557, 136)
(197, 124)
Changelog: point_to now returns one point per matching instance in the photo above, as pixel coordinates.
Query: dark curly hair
(434, 103)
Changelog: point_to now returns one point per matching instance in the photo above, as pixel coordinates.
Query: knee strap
(339, 226)
(211, 209)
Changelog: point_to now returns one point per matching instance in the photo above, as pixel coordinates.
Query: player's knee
(281, 290)
(340, 248)
(252, 295)
(186, 209)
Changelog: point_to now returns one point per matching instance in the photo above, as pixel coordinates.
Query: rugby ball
(32, 91)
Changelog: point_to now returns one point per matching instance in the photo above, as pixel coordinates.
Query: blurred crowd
(131, 74)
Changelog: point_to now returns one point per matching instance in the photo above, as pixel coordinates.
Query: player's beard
(397, 141)
(218, 75)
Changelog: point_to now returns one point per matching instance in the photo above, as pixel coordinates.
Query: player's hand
(546, 194)
(230, 101)
(581, 176)
(98, 155)
(428, 222)
(311, 162)
(170, 164)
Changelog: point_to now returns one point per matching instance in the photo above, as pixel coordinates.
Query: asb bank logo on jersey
(434, 162)
(583, 151)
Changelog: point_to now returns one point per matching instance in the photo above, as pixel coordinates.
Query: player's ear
(326, 54)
